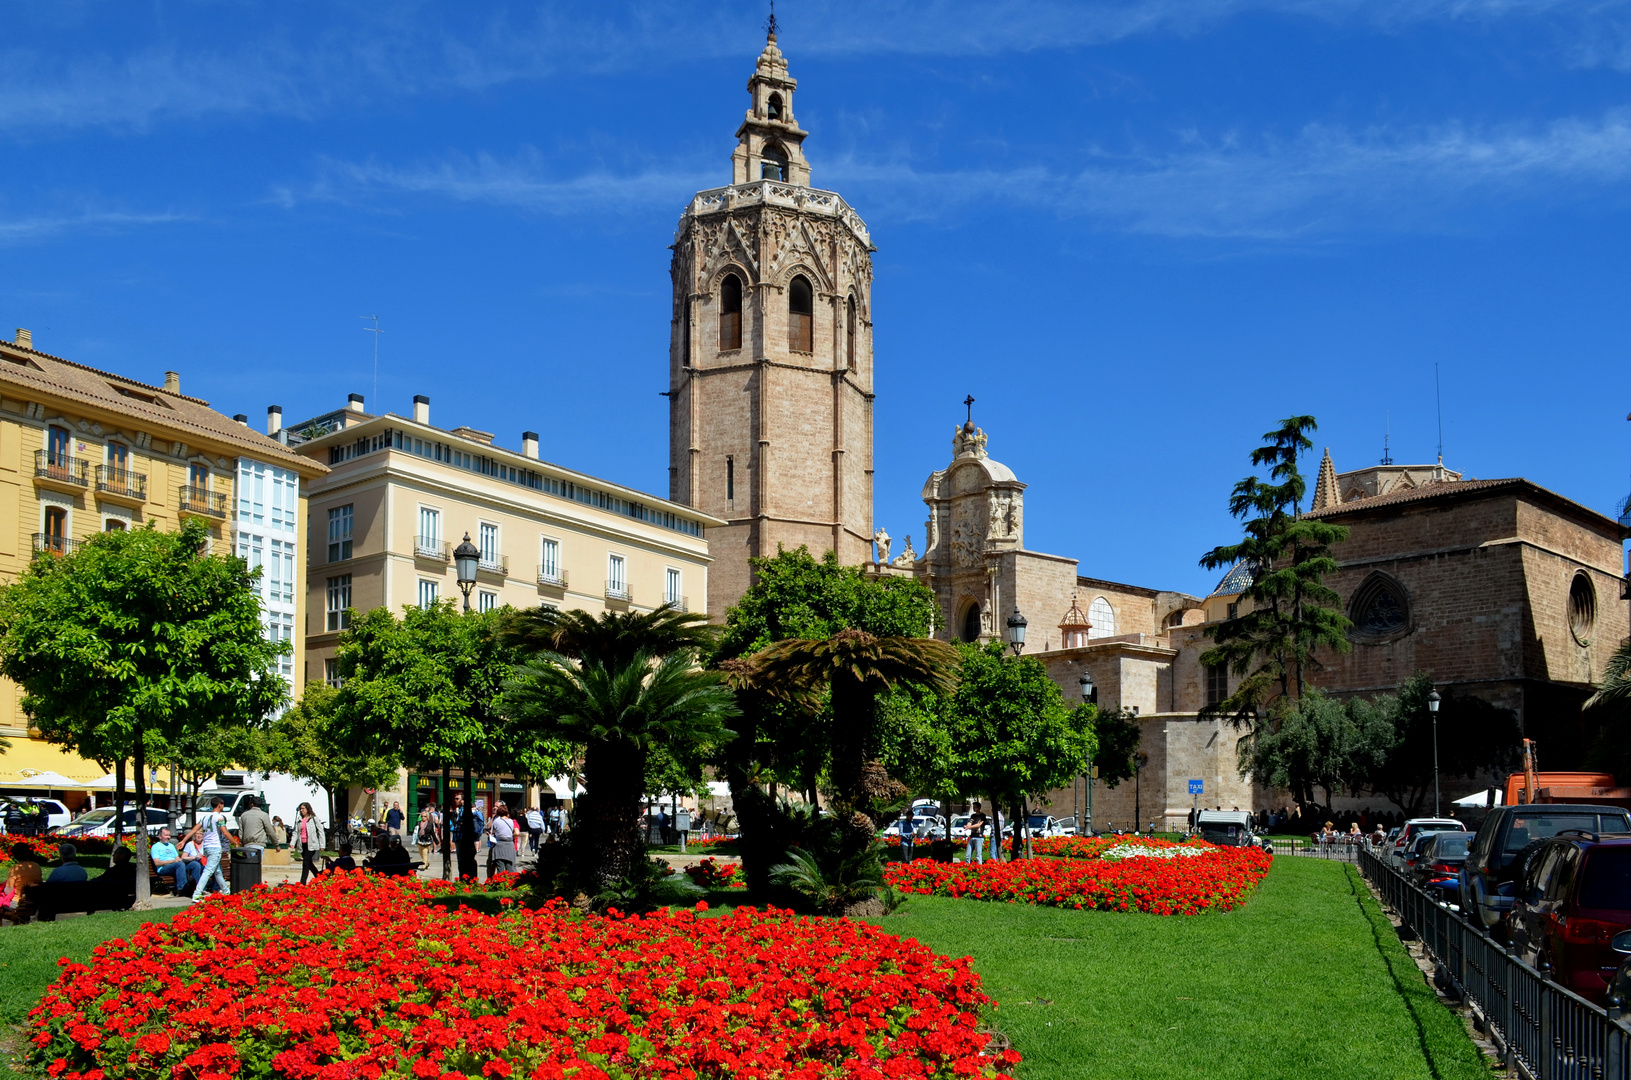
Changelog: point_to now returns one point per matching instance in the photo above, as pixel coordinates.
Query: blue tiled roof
(1237, 580)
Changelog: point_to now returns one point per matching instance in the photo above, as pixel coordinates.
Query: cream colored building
(402, 494)
(84, 451)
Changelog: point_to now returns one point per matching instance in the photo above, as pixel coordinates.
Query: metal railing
(552, 576)
(55, 545)
(202, 501)
(115, 481)
(494, 564)
(618, 590)
(678, 603)
(1340, 851)
(430, 547)
(55, 465)
(1544, 1031)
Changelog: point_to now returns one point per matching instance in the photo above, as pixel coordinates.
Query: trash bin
(245, 871)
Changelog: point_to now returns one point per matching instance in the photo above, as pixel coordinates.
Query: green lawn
(28, 962)
(1308, 980)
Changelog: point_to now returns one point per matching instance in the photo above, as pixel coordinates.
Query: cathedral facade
(770, 362)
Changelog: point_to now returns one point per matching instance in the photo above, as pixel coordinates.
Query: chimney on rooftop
(242, 418)
(529, 444)
(172, 382)
(25, 338)
(354, 402)
(274, 419)
(421, 409)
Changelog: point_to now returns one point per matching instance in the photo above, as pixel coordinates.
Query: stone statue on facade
(881, 538)
(907, 556)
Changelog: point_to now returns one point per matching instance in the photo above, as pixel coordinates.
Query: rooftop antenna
(1438, 394)
(376, 331)
(1387, 434)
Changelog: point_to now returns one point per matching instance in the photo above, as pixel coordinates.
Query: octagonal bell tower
(770, 359)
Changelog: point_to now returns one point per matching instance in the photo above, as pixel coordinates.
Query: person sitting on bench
(345, 861)
(393, 858)
(24, 872)
(169, 863)
(69, 869)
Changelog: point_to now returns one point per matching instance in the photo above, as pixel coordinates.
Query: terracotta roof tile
(1427, 491)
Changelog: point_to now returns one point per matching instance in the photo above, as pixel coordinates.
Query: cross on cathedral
(969, 402)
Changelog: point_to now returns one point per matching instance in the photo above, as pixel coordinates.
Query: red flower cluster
(44, 848)
(694, 842)
(713, 874)
(1220, 879)
(359, 977)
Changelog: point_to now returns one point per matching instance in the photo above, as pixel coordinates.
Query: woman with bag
(502, 832)
(308, 838)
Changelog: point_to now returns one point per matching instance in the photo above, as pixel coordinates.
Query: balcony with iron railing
(120, 485)
(493, 563)
(202, 502)
(618, 590)
(433, 548)
(55, 469)
(553, 576)
(678, 603)
(47, 544)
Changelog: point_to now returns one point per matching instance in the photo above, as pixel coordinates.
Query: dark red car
(1575, 897)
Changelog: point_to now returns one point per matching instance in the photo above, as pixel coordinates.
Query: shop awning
(560, 787)
(30, 757)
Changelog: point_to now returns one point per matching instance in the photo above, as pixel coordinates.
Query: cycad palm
(613, 638)
(618, 712)
(856, 667)
(1616, 684)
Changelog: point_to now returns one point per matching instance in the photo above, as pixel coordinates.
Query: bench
(408, 869)
(52, 898)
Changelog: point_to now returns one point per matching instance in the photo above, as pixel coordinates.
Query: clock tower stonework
(770, 361)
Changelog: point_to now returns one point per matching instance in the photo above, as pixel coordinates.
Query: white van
(279, 794)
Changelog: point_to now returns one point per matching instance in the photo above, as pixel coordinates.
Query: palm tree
(618, 711)
(614, 638)
(1616, 684)
(856, 667)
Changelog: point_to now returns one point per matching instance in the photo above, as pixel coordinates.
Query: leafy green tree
(137, 639)
(196, 754)
(1474, 737)
(308, 741)
(1117, 733)
(1320, 742)
(1290, 613)
(1012, 732)
(856, 668)
(427, 687)
(619, 712)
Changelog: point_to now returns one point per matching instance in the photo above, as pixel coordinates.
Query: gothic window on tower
(1380, 610)
(730, 313)
(849, 332)
(773, 163)
(971, 623)
(800, 316)
(730, 479)
(774, 108)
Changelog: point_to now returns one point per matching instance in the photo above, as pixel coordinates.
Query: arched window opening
(730, 313)
(1582, 607)
(113, 525)
(800, 316)
(849, 332)
(773, 108)
(1103, 618)
(730, 479)
(773, 164)
(1379, 610)
(971, 623)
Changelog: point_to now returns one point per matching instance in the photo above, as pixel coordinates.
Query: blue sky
(1138, 232)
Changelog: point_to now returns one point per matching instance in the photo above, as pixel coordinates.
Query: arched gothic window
(849, 332)
(730, 313)
(773, 108)
(1103, 618)
(800, 316)
(971, 623)
(1379, 610)
(773, 163)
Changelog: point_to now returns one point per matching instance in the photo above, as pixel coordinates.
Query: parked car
(1226, 828)
(1488, 878)
(959, 827)
(924, 829)
(53, 814)
(1414, 828)
(1571, 904)
(1067, 826)
(1438, 870)
(100, 822)
(1039, 825)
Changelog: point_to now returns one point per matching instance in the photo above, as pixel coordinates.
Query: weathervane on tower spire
(770, 24)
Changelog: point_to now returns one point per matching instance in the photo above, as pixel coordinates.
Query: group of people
(25, 870)
(25, 818)
(504, 834)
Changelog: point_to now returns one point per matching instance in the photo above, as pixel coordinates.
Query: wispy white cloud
(24, 230)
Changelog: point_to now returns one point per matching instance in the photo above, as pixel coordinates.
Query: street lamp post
(465, 558)
(1089, 694)
(1432, 708)
(1016, 632)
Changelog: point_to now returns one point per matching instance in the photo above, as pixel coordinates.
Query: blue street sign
(1195, 787)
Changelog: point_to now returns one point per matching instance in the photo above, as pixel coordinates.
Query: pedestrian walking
(429, 835)
(976, 836)
(908, 826)
(254, 826)
(394, 819)
(308, 838)
(501, 832)
(213, 834)
(535, 827)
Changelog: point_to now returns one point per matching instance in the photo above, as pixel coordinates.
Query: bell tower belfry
(770, 357)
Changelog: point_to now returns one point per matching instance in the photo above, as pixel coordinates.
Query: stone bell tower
(770, 358)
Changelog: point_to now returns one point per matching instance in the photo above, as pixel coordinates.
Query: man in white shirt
(213, 834)
(535, 827)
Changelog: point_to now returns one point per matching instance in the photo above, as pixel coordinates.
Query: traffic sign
(1195, 787)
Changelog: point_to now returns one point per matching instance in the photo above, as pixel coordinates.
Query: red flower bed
(43, 847)
(1219, 879)
(358, 977)
(713, 874)
(694, 842)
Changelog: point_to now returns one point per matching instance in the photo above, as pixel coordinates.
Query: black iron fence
(1339, 851)
(1543, 1031)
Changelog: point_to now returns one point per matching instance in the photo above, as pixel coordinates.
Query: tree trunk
(144, 888)
(447, 822)
(607, 842)
(467, 827)
(118, 802)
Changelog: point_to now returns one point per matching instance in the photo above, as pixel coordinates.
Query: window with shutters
(331, 673)
(487, 541)
(672, 592)
(56, 525)
(427, 593)
(549, 561)
(118, 455)
(486, 601)
(800, 316)
(730, 313)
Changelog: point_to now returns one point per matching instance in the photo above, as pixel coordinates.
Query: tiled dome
(1237, 580)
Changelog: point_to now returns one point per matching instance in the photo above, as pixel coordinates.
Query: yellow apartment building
(400, 495)
(84, 451)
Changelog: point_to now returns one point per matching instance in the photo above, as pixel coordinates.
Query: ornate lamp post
(1432, 708)
(465, 559)
(1016, 632)
(1090, 694)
